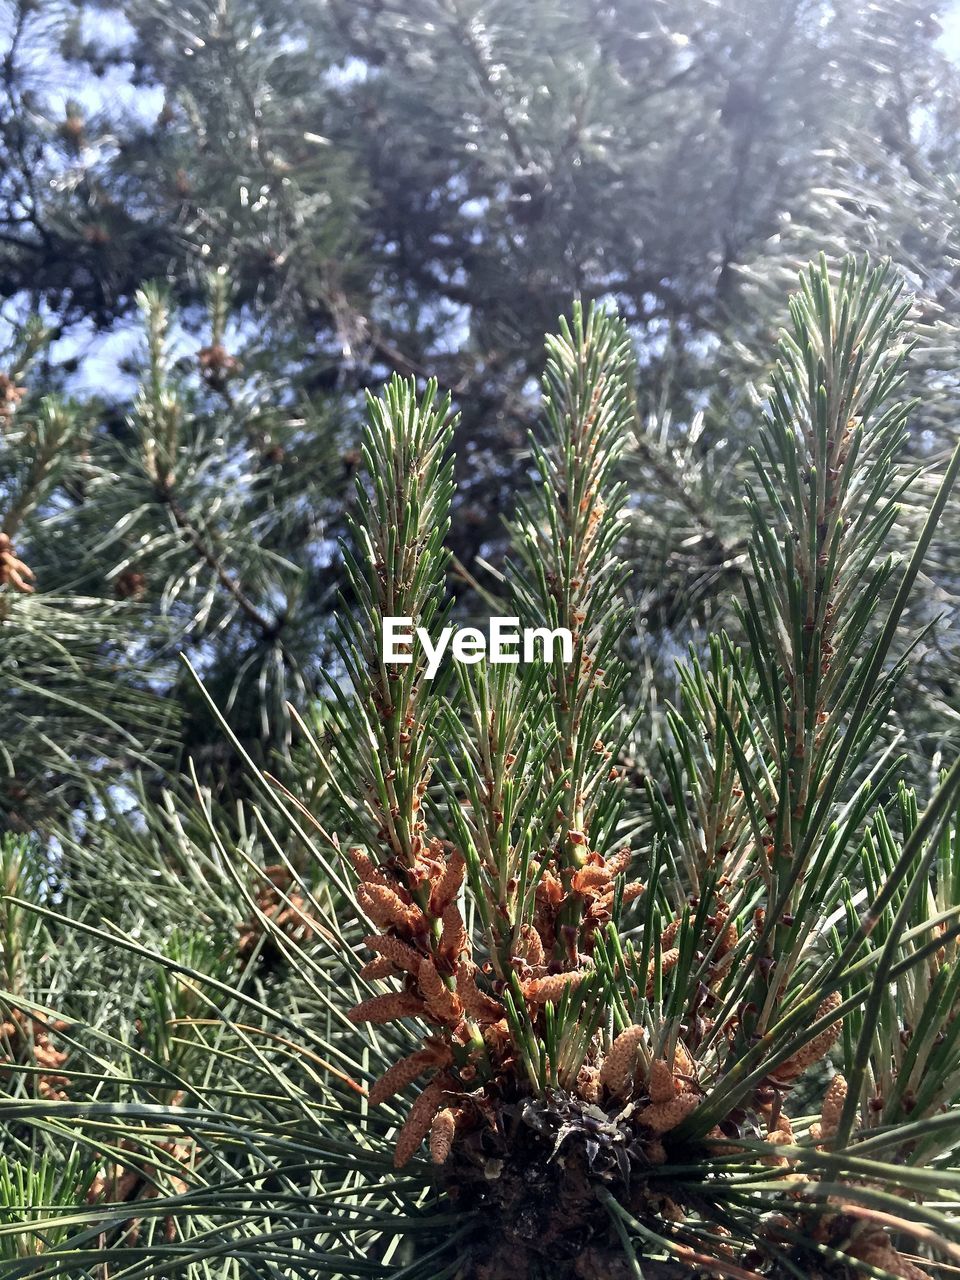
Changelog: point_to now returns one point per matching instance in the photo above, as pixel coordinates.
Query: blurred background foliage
(300, 199)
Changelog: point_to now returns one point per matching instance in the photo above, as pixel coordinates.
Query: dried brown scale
(598, 874)
(550, 890)
(669, 1210)
(424, 875)
(728, 934)
(128, 1177)
(912, 1271)
(292, 918)
(496, 1036)
(549, 899)
(620, 1064)
(592, 878)
(595, 917)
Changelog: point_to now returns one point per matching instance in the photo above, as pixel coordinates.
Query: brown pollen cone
(13, 571)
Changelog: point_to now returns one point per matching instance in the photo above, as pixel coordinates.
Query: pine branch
(667, 1061)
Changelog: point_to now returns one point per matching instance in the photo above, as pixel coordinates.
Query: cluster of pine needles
(557, 1022)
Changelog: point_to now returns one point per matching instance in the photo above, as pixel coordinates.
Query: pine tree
(472, 1004)
(134, 534)
(76, 709)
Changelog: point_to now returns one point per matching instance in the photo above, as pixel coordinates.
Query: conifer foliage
(496, 1011)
